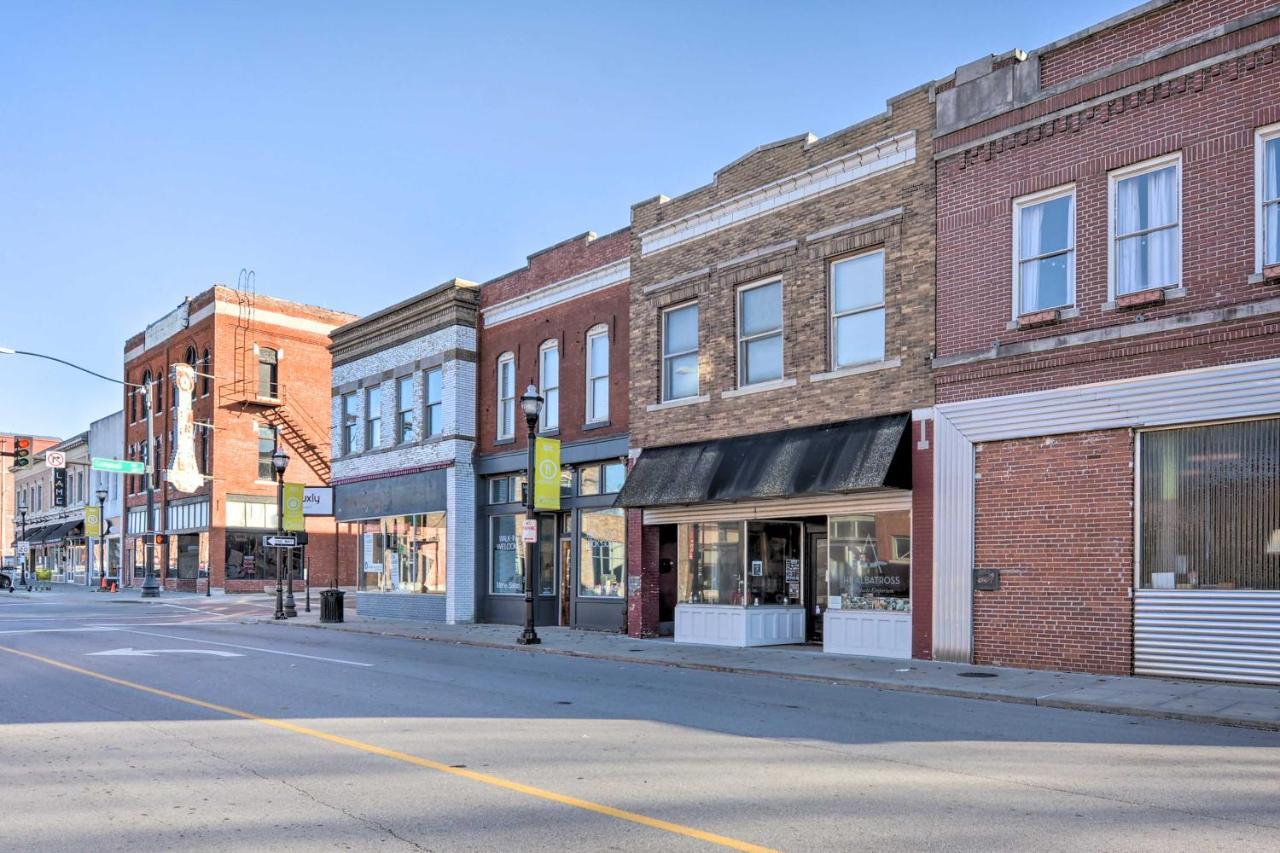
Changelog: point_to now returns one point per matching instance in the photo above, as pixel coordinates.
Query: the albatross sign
(184, 474)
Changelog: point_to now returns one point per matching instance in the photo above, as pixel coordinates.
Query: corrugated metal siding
(1216, 393)
(953, 518)
(1225, 635)
(881, 500)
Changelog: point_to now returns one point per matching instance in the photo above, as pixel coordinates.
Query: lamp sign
(546, 473)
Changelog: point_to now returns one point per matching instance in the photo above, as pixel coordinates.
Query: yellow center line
(396, 755)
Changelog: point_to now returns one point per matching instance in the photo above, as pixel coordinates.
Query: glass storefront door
(815, 583)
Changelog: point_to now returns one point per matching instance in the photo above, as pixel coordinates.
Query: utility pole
(150, 586)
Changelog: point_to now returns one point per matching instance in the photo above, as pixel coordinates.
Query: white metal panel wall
(1226, 635)
(953, 517)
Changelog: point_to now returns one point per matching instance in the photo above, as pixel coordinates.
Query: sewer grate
(563, 702)
(978, 674)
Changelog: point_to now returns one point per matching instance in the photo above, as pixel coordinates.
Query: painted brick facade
(1056, 518)
(222, 327)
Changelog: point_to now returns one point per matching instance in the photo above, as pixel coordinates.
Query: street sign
(118, 466)
(55, 459)
(277, 541)
(529, 531)
(546, 473)
(293, 519)
(22, 548)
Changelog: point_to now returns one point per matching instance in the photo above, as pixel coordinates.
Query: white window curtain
(1029, 233)
(1271, 201)
(1046, 253)
(1147, 231)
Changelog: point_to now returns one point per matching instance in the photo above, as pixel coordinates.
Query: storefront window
(506, 561)
(1209, 501)
(404, 553)
(602, 553)
(605, 479)
(869, 562)
(506, 489)
(709, 568)
(773, 562)
(248, 559)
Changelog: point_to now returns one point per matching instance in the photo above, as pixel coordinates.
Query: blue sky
(354, 154)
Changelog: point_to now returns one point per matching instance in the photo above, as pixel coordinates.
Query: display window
(602, 545)
(404, 553)
(869, 561)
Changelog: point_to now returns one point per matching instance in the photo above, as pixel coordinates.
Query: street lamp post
(279, 462)
(102, 538)
(26, 558)
(531, 405)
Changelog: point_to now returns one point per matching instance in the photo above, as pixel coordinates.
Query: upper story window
(857, 310)
(268, 373)
(680, 352)
(144, 407)
(1146, 231)
(549, 381)
(760, 333)
(1268, 181)
(350, 423)
(373, 417)
(598, 374)
(206, 368)
(266, 447)
(1044, 240)
(434, 392)
(506, 395)
(404, 409)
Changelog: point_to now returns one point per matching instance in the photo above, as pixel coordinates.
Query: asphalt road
(231, 736)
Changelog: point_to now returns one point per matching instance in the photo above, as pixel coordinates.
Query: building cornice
(557, 292)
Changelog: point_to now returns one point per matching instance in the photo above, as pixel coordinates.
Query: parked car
(7, 574)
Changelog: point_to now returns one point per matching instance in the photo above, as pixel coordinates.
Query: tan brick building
(781, 332)
(262, 376)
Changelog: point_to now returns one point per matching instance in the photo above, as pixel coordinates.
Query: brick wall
(892, 210)
(1137, 35)
(1055, 516)
(566, 322)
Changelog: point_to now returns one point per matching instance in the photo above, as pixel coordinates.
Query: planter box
(875, 633)
(729, 625)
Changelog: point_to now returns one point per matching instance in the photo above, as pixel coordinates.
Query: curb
(1045, 701)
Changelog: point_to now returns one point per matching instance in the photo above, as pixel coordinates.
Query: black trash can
(331, 605)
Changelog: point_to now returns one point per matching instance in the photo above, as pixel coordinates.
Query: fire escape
(246, 392)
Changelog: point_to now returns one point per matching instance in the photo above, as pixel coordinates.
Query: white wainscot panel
(724, 625)
(875, 633)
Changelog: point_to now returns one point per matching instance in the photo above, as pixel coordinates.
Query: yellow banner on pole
(92, 522)
(293, 494)
(546, 473)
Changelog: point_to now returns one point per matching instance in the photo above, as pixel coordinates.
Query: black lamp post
(101, 494)
(531, 405)
(279, 462)
(26, 558)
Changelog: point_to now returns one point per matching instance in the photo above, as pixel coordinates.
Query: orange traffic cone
(114, 588)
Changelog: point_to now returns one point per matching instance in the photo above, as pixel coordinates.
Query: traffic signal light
(21, 451)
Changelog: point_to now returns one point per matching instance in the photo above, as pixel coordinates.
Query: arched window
(206, 369)
(268, 373)
(146, 384)
(598, 374)
(549, 383)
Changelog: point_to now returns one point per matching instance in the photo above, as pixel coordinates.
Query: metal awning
(35, 534)
(58, 532)
(868, 453)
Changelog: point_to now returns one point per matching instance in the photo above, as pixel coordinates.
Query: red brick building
(261, 377)
(560, 323)
(1108, 348)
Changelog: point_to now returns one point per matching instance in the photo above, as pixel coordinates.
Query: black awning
(830, 459)
(36, 534)
(57, 532)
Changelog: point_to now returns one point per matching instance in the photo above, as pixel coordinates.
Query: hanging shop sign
(184, 472)
(59, 486)
(293, 500)
(546, 473)
(317, 500)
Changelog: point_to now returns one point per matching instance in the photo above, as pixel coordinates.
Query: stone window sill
(1269, 275)
(1038, 319)
(1150, 298)
(595, 425)
(503, 441)
(675, 404)
(855, 369)
(758, 388)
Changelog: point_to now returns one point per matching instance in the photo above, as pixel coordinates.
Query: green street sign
(118, 466)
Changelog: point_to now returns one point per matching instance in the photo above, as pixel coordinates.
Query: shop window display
(869, 561)
(404, 554)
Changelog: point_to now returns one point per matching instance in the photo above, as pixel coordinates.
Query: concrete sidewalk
(1201, 702)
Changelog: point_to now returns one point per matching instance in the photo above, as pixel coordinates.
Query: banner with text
(546, 473)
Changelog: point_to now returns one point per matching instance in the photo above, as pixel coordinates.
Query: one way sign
(279, 541)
